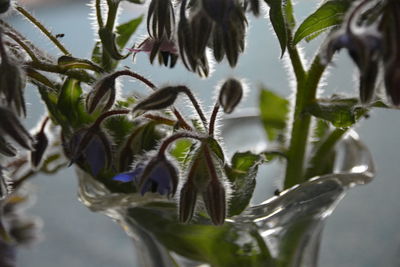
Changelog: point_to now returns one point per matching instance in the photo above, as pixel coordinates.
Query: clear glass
(290, 224)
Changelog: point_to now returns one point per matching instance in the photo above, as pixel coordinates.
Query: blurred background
(363, 231)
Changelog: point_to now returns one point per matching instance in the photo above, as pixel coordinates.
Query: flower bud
(39, 148)
(12, 83)
(4, 6)
(187, 202)
(230, 95)
(6, 148)
(160, 99)
(215, 201)
(11, 126)
(103, 94)
(160, 19)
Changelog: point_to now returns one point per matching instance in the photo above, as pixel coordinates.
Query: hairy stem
(43, 29)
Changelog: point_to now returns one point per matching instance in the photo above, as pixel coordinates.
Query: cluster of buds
(371, 35)
(219, 25)
(204, 175)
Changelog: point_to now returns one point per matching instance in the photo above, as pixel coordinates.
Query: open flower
(164, 49)
(158, 176)
(90, 147)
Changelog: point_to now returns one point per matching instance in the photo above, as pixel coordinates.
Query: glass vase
(283, 230)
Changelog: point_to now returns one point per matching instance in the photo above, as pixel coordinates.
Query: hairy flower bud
(39, 148)
(102, 96)
(12, 83)
(230, 95)
(6, 148)
(187, 202)
(160, 19)
(160, 99)
(4, 6)
(11, 126)
(215, 201)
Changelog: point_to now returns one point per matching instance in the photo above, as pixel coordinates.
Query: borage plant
(162, 173)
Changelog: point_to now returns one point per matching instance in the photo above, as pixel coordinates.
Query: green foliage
(201, 242)
(328, 15)
(242, 175)
(274, 111)
(126, 30)
(338, 111)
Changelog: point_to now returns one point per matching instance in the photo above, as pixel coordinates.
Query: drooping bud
(160, 99)
(187, 202)
(160, 19)
(11, 126)
(215, 201)
(6, 148)
(102, 96)
(204, 177)
(4, 6)
(39, 148)
(12, 84)
(230, 95)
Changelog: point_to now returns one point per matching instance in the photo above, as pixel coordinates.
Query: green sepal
(242, 175)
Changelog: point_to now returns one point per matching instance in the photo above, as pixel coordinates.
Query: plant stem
(42, 28)
(79, 75)
(213, 119)
(98, 14)
(107, 60)
(306, 94)
(196, 105)
(320, 157)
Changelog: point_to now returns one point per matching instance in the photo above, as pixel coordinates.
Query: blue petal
(124, 177)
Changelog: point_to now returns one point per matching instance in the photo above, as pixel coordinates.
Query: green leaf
(242, 176)
(226, 245)
(181, 149)
(274, 110)
(278, 21)
(70, 105)
(126, 30)
(340, 112)
(328, 15)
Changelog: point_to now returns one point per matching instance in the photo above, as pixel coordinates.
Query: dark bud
(102, 96)
(8, 254)
(4, 6)
(160, 99)
(230, 95)
(25, 231)
(160, 19)
(6, 148)
(390, 30)
(214, 199)
(187, 202)
(12, 84)
(160, 176)
(11, 126)
(253, 6)
(39, 148)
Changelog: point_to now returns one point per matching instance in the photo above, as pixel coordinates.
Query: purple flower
(91, 147)
(158, 176)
